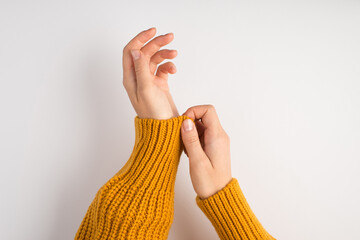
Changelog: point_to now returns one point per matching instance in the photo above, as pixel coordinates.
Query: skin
(146, 81)
(208, 148)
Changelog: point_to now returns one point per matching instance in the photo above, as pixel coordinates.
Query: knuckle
(138, 70)
(160, 53)
(192, 139)
(211, 107)
(160, 67)
(193, 108)
(189, 109)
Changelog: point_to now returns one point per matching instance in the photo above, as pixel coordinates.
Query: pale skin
(146, 81)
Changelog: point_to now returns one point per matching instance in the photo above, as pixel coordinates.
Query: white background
(284, 77)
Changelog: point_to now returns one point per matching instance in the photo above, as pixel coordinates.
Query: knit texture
(230, 214)
(138, 202)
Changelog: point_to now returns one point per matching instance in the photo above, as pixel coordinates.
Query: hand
(149, 91)
(208, 147)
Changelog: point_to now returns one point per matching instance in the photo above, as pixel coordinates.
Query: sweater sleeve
(138, 201)
(230, 214)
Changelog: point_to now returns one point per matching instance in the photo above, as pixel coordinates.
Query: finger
(201, 130)
(206, 113)
(200, 127)
(163, 54)
(191, 141)
(160, 56)
(164, 69)
(136, 43)
(142, 71)
(155, 44)
(140, 39)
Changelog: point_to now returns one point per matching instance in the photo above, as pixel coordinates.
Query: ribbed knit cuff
(231, 215)
(138, 202)
(155, 157)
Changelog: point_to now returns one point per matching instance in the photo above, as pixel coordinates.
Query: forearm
(138, 202)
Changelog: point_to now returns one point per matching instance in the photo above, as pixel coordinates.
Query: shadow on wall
(110, 139)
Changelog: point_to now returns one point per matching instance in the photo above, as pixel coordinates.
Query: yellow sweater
(138, 201)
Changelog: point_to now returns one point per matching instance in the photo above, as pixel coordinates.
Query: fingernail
(135, 54)
(188, 125)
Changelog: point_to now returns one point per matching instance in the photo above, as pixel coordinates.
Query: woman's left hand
(149, 91)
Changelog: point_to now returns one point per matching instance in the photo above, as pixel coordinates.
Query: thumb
(191, 140)
(141, 66)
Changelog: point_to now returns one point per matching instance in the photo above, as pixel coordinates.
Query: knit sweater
(138, 201)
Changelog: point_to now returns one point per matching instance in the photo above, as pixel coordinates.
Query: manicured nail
(135, 54)
(188, 125)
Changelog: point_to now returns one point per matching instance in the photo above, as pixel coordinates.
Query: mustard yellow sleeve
(230, 214)
(138, 202)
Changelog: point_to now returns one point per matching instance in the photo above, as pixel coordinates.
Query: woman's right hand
(208, 147)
